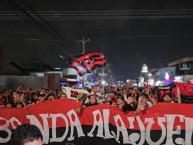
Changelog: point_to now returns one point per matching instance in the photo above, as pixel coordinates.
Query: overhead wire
(47, 27)
(23, 12)
(101, 15)
(44, 16)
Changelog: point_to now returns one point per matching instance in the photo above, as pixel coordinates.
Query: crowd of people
(132, 98)
(124, 98)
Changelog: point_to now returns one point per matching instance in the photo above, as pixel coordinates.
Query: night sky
(129, 33)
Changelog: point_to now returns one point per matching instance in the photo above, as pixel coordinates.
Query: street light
(149, 74)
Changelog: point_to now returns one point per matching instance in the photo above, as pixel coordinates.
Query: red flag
(185, 89)
(86, 63)
(185, 92)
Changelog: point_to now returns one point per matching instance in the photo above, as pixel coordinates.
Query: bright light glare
(167, 76)
(158, 83)
(103, 82)
(151, 82)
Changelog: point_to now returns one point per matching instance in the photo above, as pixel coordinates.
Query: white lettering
(76, 122)
(98, 123)
(6, 129)
(106, 114)
(142, 130)
(189, 129)
(54, 119)
(44, 129)
(121, 129)
(150, 122)
(170, 128)
(134, 137)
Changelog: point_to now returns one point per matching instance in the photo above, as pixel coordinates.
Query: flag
(186, 92)
(161, 90)
(75, 94)
(86, 63)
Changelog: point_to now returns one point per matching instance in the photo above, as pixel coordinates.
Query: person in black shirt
(130, 103)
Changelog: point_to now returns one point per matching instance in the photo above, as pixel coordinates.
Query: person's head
(50, 97)
(41, 97)
(120, 100)
(167, 97)
(144, 98)
(33, 95)
(63, 96)
(43, 90)
(130, 98)
(113, 102)
(26, 134)
(95, 89)
(19, 105)
(112, 94)
(108, 98)
(134, 90)
(8, 105)
(16, 97)
(92, 99)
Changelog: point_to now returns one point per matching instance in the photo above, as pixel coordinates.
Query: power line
(99, 15)
(25, 15)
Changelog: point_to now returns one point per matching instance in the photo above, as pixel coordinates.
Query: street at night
(95, 72)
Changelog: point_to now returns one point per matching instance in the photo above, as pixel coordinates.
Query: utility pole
(83, 41)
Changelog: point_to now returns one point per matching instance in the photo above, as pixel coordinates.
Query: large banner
(61, 123)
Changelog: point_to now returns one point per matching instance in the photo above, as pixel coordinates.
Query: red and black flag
(185, 92)
(86, 63)
(161, 90)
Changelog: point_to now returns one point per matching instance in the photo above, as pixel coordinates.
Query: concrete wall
(188, 78)
(29, 81)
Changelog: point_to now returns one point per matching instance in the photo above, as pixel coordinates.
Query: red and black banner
(185, 92)
(86, 63)
(161, 90)
(61, 123)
